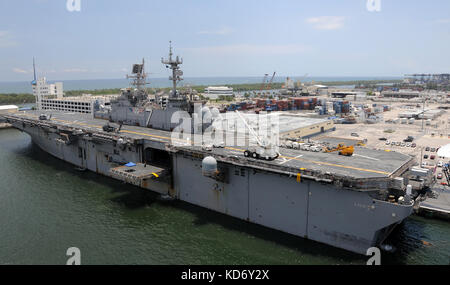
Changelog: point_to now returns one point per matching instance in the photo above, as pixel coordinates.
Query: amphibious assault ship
(349, 202)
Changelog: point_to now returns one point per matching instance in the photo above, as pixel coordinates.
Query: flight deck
(364, 164)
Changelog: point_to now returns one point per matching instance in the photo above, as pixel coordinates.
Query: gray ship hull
(340, 217)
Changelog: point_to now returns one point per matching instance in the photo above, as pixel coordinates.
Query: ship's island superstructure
(350, 202)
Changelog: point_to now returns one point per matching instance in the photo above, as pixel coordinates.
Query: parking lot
(391, 137)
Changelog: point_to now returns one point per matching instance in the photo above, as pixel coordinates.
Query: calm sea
(25, 87)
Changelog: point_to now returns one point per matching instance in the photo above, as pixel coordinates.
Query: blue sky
(224, 37)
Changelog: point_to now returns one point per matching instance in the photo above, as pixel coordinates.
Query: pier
(437, 204)
(5, 126)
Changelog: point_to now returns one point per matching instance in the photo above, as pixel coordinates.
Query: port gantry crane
(271, 80)
(263, 83)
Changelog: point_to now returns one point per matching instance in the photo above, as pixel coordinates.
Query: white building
(214, 92)
(84, 104)
(4, 110)
(51, 97)
(8, 109)
(43, 90)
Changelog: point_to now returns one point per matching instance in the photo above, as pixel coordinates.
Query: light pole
(421, 156)
(423, 113)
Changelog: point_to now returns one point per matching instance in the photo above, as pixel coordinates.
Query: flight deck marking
(287, 160)
(368, 157)
(326, 163)
(241, 150)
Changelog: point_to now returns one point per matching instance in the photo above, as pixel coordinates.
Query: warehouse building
(289, 125)
(292, 126)
(214, 92)
(51, 97)
(4, 110)
(84, 104)
(8, 109)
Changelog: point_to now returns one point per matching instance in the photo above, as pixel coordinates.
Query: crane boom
(271, 80)
(264, 82)
(265, 151)
(252, 132)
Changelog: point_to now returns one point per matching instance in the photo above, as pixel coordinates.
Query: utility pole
(423, 113)
(421, 156)
(34, 70)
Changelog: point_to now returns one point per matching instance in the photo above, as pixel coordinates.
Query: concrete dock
(5, 126)
(437, 204)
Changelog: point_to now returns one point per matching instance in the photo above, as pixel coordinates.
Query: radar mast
(139, 76)
(177, 73)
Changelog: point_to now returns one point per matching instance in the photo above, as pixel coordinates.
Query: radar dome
(215, 112)
(209, 165)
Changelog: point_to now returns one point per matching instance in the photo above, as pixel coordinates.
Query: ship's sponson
(367, 170)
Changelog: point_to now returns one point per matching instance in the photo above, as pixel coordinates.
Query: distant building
(411, 94)
(289, 125)
(404, 94)
(8, 109)
(441, 79)
(4, 110)
(214, 92)
(50, 96)
(43, 90)
(84, 104)
(345, 93)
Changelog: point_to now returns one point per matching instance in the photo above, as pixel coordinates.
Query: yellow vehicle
(343, 149)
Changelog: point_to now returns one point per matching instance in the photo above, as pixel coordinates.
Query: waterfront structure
(5, 109)
(50, 96)
(214, 92)
(290, 125)
(414, 94)
(83, 104)
(345, 93)
(43, 90)
(442, 78)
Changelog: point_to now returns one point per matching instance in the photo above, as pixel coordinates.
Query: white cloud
(249, 49)
(75, 70)
(326, 22)
(443, 21)
(6, 39)
(221, 31)
(19, 70)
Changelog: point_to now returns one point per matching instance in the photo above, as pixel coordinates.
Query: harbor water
(48, 206)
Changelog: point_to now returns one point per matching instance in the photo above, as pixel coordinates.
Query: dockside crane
(271, 80)
(263, 82)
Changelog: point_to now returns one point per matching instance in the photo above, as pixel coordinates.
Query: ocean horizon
(93, 84)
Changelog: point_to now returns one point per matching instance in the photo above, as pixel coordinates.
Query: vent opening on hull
(157, 157)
